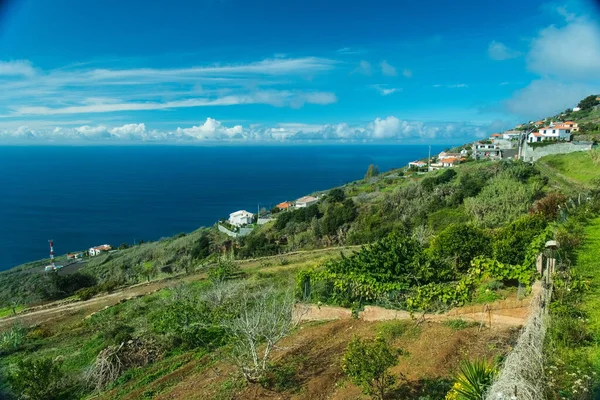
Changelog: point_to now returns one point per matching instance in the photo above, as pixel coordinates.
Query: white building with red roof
(94, 251)
(557, 132)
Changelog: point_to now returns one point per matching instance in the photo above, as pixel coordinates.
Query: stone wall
(532, 154)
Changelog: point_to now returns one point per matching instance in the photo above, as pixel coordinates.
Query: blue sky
(271, 71)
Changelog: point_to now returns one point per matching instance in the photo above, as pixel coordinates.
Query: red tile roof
(284, 205)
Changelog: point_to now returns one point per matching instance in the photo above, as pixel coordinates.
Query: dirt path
(509, 312)
(63, 310)
(58, 310)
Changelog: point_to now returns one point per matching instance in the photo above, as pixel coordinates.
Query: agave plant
(472, 381)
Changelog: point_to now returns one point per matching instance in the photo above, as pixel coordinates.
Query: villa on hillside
(241, 218)
(573, 126)
(97, 250)
(417, 164)
(486, 150)
(284, 205)
(306, 201)
(511, 135)
(554, 132)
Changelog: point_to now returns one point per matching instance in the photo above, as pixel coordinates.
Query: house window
(553, 130)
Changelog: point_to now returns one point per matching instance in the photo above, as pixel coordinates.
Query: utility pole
(429, 159)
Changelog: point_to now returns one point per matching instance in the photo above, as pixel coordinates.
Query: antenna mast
(52, 254)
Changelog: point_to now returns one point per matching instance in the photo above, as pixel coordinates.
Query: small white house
(241, 218)
(306, 201)
(417, 164)
(575, 109)
(511, 135)
(94, 251)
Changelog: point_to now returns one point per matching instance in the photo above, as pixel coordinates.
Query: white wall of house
(303, 203)
(241, 218)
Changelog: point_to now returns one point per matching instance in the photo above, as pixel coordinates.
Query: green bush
(472, 380)
(461, 243)
(501, 201)
(513, 240)
(41, 379)
(366, 362)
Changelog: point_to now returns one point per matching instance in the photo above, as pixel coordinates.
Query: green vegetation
(574, 334)
(427, 242)
(366, 363)
(472, 380)
(579, 168)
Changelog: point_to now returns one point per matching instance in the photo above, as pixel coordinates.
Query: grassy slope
(588, 265)
(570, 170)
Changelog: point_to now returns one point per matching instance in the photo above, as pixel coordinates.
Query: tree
(588, 102)
(265, 317)
(146, 269)
(41, 379)
(461, 243)
(336, 195)
(372, 172)
(223, 271)
(513, 240)
(366, 362)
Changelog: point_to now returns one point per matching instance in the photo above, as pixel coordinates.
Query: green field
(575, 168)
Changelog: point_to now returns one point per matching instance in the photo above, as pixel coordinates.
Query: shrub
(549, 206)
(12, 339)
(336, 195)
(223, 271)
(460, 324)
(513, 240)
(41, 379)
(472, 381)
(461, 243)
(366, 362)
(501, 201)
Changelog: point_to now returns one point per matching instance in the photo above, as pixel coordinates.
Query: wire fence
(522, 374)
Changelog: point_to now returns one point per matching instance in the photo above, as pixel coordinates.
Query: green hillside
(573, 169)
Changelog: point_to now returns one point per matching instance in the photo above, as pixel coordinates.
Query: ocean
(91, 195)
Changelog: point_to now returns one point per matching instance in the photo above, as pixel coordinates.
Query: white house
(575, 109)
(241, 218)
(94, 251)
(511, 135)
(486, 150)
(417, 164)
(306, 201)
(554, 132)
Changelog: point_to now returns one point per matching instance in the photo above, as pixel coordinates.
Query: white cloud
(384, 90)
(547, 97)
(453, 86)
(80, 90)
(499, 51)
(276, 98)
(364, 67)
(130, 131)
(569, 52)
(407, 73)
(211, 130)
(387, 69)
(17, 68)
(388, 129)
